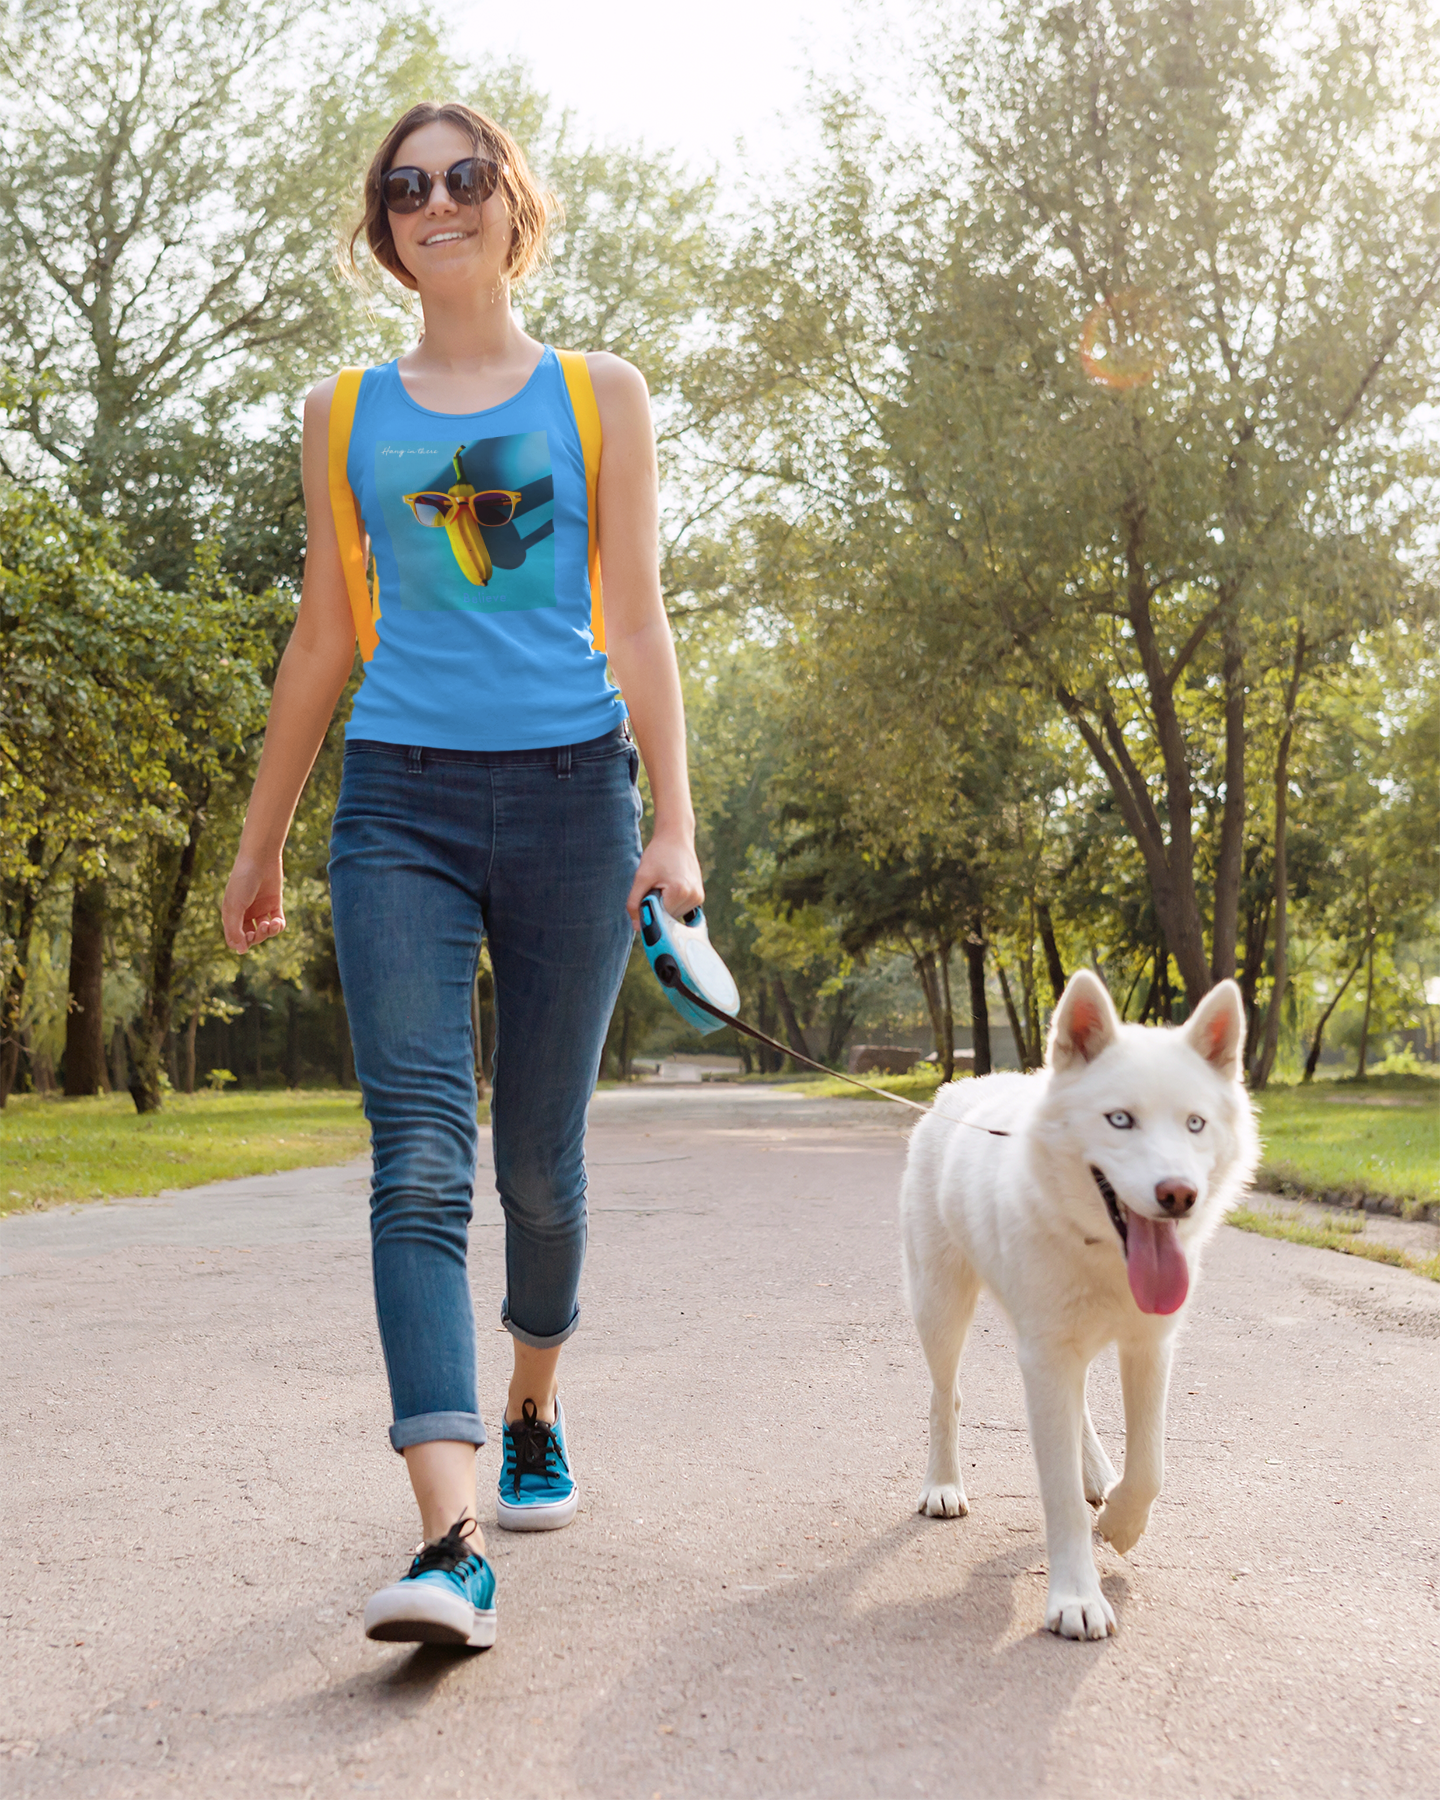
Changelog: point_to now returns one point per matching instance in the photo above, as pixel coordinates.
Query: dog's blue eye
(1195, 1122)
(1122, 1121)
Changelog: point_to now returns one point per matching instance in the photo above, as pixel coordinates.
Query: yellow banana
(466, 542)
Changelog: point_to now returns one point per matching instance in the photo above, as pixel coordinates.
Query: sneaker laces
(446, 1553)
(536, 1450)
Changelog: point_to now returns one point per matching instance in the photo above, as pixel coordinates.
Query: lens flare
(1128, 339)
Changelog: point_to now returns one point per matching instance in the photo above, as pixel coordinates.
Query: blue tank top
(484, 610)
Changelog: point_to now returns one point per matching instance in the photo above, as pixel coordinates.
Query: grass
(1340, 1234)
(1354, 1140)
(52, 1149)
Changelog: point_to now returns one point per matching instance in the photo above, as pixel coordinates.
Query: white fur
(1022, 1215)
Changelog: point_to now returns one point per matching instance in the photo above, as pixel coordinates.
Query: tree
(1081, 406)
(213, 672)
(84, 735)
(191, 146)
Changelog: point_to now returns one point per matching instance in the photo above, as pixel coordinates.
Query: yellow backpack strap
(347, 514)
(587, 417)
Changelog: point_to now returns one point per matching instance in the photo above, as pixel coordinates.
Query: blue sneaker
(448, 1597)
(537, 1490)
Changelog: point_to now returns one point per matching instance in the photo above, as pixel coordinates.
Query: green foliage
(1032, 491)
(968, 506)
(85, 733)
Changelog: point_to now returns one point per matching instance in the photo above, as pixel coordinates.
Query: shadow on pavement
(780, 1692)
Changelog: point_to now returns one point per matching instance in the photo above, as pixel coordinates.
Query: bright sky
(679, 75)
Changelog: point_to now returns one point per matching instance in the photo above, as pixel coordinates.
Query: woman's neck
(473, 354)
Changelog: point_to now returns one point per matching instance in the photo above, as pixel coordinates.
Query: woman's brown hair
(530, 206)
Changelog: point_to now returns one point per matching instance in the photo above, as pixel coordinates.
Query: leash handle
(670, 975)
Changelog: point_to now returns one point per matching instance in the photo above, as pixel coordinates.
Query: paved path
(199, 1497)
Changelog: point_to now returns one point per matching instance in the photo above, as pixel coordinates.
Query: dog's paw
(942, 1500)
(1100, 1477)
(1121, 1523)
(1075, 1615)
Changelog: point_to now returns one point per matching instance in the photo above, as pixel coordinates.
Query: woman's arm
(312, 675)
(637, 632)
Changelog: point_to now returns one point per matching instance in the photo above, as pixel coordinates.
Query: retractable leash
(703, 991)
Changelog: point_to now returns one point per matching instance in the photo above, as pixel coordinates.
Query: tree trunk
(1257, 936)
(770, 1062)
(21, 902)
(1312, 1061)
(923, 963)
(1369, 1000)
(1167, 843)
(152, 1027)
(842, 1023)
(947, 1016)
(1282, 795)
(84, 1019)
(1022, 1049)
(292, 1039)
(119, 1062)
(794, 1035)
(1054, 968)
(344, 1049)
(979, 1006)
(1032, 1013)
(192, 1026)
(1226, 922)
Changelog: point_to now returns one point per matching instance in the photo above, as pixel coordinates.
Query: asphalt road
(199, 1497)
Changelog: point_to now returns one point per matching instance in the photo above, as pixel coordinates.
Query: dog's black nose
(1177, 1197)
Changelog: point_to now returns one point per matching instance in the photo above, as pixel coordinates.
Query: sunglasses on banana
(491, 506)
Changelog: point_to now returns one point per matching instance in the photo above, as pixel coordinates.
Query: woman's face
(447, 244)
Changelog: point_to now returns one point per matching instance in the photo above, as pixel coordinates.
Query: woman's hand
(254, 905)
(670, 864)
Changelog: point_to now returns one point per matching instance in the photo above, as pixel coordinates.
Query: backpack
(365, 598)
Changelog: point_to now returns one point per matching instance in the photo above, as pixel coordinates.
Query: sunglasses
(405, 190)
(491, 506)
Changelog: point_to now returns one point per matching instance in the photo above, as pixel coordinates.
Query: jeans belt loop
(562, 763)
(415, 760)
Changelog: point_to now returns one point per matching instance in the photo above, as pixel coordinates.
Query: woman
(489, 788)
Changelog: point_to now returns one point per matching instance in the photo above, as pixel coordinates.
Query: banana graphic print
(466, 542)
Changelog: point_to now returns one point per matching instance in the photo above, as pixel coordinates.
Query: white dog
(1081, 1196)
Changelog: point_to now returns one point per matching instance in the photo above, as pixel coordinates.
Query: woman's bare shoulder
(317, 401)
(616, 379)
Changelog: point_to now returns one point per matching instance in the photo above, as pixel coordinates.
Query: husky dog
(1081, 1196)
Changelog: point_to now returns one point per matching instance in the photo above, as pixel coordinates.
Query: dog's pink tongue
(1155, 1263)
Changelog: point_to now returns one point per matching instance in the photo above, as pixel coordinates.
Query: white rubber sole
(547, 1517)
(420, 1613)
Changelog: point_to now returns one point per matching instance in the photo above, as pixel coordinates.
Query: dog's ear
(1084, 1023)
(1216, 1030)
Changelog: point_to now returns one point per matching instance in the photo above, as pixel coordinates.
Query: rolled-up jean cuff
(436, 1428)
(529, 1337)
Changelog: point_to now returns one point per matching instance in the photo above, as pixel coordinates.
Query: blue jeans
(535, 850)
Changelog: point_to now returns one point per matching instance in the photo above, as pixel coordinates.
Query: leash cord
(671, 977)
